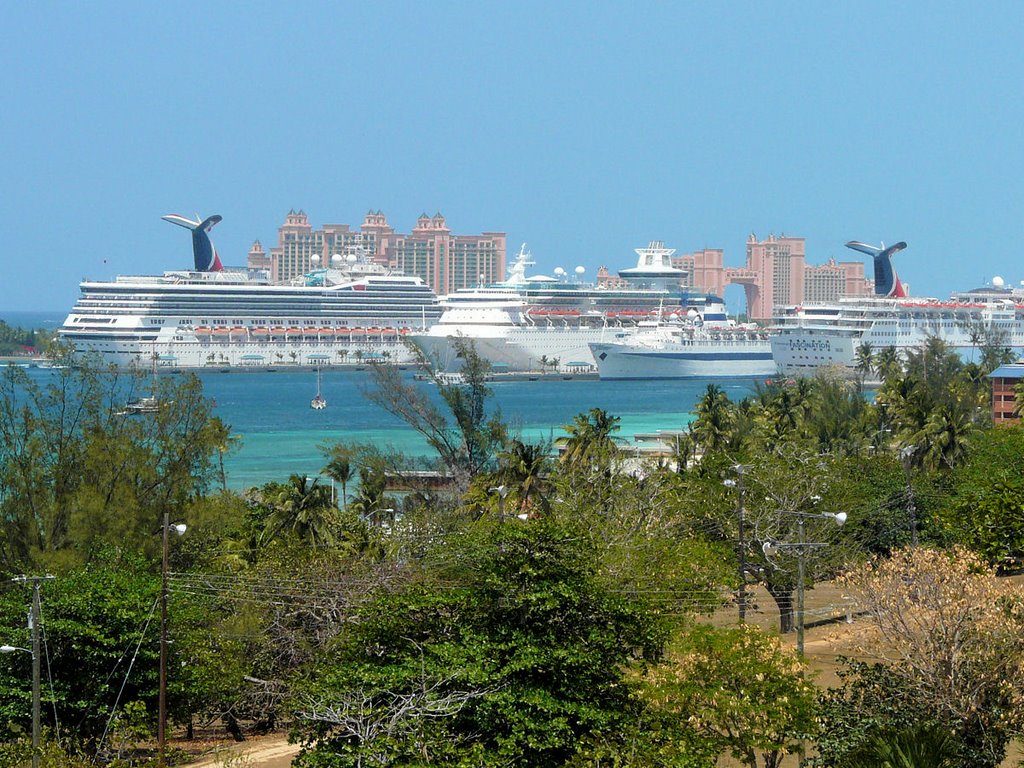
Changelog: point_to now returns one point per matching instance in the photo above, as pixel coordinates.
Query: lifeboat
(356, 331)
(202, 331)
(326, 331)
(294, 330)
(260, 331)
(404, 331)
(277, 329)
(222, 331)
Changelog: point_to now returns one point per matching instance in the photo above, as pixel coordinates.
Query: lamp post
(801, 546)
(178, 528)
(33, 625)
(738, 485)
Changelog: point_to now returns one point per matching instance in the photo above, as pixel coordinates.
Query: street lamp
(502, 492)
(179, 529)
(33, 625)
(801, 546)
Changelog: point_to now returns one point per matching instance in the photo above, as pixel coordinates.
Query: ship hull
(517, 350)
(624, 361)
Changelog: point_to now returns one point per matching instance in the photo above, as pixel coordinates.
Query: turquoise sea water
(281, 435)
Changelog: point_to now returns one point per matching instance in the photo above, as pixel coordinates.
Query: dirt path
(267, 752)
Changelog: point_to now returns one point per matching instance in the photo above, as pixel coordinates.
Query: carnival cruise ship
(211, 317)
(807, 337)
(530, 323)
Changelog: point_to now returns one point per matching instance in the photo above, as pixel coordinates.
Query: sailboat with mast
(318, 403)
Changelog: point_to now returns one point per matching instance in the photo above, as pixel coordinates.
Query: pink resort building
(444, 260)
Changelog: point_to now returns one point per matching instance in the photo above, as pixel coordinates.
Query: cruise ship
(807, 337)
(529, 323)
(350, 311)
(686, 350)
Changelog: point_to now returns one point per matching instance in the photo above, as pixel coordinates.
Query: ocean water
(281, 435)
(51, 320)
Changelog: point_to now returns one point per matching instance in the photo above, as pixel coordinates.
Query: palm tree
(887, 363)
(590, 437)
(340, 469)
(921, 746)
(520, 468)
(714, 418)
(305, 509)
(865, 361)
(1018, 398)
(224, 442)
(944, 437)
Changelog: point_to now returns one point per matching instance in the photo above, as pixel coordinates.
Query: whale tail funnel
(887, 282)
(205, 254)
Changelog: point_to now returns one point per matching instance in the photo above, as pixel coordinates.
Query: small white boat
(318, 403)
(141, 406)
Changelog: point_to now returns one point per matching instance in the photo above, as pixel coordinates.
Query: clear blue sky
(585, 129)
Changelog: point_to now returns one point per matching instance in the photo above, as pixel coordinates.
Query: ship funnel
(206, 258)
(887, 282)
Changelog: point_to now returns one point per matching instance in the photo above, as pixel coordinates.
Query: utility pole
(743, 549)
(162, 718)
(907, 456)
(800, 548)
(741, 514)
(33, 625)
(161, 729)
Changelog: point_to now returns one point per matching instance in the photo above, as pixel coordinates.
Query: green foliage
(739, 689)
(870, 700)
(590, 441)
(15, 340)
(93, 618)
(520, 649)
(464, 433)
(875, 715)
(986, 512)
(75, 473)
(921, 746)
(18, 754)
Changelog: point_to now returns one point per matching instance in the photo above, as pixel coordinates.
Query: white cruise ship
(813, 335)
(212, 317)
(530, 323)
(682, 351)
